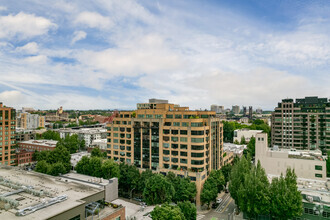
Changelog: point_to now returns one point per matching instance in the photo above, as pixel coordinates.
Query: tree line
(256, 196)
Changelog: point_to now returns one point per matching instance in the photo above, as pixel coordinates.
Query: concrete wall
(111, 190)
(276, 162)
(248, 134)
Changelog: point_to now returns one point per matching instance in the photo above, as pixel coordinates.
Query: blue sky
(113, 54)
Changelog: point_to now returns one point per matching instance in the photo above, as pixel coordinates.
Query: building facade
(304, 124)
(7, 135)
(26, 120)
(246, 133)
(38, 145)
(167, 137)
(235, 109)
(307, 164)
(217, 109)
(24, 156)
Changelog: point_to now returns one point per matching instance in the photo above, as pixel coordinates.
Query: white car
(219, 200)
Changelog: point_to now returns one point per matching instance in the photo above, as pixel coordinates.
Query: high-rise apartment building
(7, 134)
(235, 109)
(304, 124)
(26, 120)
(217, 109)
(166, 137)
(250, 112)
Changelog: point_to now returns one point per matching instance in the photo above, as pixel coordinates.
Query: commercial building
(31, 195)
(307, 164)
(26, 120)
(24, 135)
(59, 115)
(24, 156)
(87, 134)
(303, 124)
(38, 145)
(166, 138)
(250, 112)
(217, 109)
(7, 134)
(246, 133)
(235, 109)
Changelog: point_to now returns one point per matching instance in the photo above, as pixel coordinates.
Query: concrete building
(307, 164)
(31, 195)
(217, 109)
(59, 115)
(7, 135)
(24, 135)
(246, 133)
(87, 134)
(259, 111)
(167, 138)
(304, 124)
(26, 120)
(250, 112)
(235, 109)
(38, 145)
(76, 157)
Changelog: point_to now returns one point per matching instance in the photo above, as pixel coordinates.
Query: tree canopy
(167, 212)
(158, 190)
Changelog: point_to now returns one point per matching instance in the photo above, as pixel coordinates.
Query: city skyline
(111, 55)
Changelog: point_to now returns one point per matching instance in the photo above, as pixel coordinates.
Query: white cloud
(11, 97)
(93, 20)
(38, 59)
(24, 25)
(29, 48)
(3, 8)
(78, 35)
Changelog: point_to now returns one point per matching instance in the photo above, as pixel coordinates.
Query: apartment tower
(7, 135)
(166, 137)
(304, 124)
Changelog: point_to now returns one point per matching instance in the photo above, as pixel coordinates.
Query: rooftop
(49, 143)
(24, 189)
(299, 154)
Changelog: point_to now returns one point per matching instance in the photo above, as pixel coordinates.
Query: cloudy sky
(106, 54)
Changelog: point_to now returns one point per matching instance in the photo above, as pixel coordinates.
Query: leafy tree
(42, 167)
(167, 212)
(51, 135)
(285, 197)
(210, 191)
(253, 194)
(237, 176)
(129, 178)
(226, 169)
(96, 152)
(218, 178)
(95, 167)
(110, 169)
(60, 154)
(185, 190)
(145, 175)
(83, 165)
(236, 142)
(251, 147)
(188, 209)
(40, 155)
(56, 169)
(158, 190)
(71, 142)
(243, 140)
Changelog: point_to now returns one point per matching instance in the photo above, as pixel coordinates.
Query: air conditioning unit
(310, 198)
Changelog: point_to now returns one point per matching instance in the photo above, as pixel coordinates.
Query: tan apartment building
(7, 135)
(303, 124)
(165, 137)
(26, 120)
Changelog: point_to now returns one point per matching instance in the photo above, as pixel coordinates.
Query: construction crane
(109, 119)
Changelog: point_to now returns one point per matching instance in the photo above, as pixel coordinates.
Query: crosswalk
(200, 216)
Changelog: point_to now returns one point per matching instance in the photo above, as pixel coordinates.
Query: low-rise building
(246, 133)
(31, 195)
(38, 145)
(24, 156)
(87, 134)
(275, 161)
(25, 135)
(76, 157)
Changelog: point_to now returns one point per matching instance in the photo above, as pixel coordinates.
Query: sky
(112, 54)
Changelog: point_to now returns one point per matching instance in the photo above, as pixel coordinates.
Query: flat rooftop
(50, 187)
(300, 154)
(49, 143)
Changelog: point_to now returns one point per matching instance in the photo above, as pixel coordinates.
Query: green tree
(51, 135)
(129, 178)
(251, 147)
(110, 169)
(286, 199)
(42, 167)
(158, 190)
(209, 192)
(167, 212)
(145, 175)
(226, 169)
(185, 190)
(71, 142)
(56, 169)
(95, 167)
(60, 154)
(83, 166)
(237, 176)
(96, 152)
(188, 209)
(243, 140)
(219, 179)
(253, 194)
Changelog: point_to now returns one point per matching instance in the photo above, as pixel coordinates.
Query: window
(197, 140)
(140, 116)
(196, 124)
(183, 132)
(183, 146)
(176, 123)
(178, 116)
(174, 139)
(317, 167)
(115, 134)
(197, 147)
(183, 161)
(185, 124)
(167, 124)
(149, 116)
(183, 139)
(115, 128)
(115, 140)
(184, 154)
(158, 116)
(169, 116)
(175, 131)
(197, 154)
(166, 152)
(318, 175)
(197, 132)
(166, 145)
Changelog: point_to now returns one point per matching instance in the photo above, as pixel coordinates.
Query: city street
(224, 210)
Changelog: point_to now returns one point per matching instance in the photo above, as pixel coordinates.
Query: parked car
(219, 200)
(215, 205)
